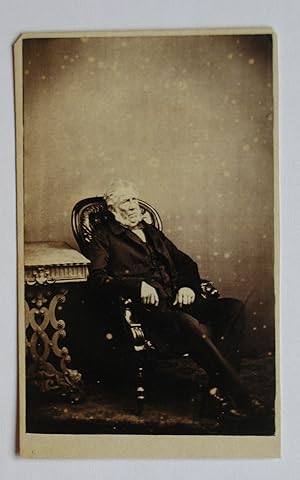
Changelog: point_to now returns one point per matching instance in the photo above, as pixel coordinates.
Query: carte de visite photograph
(148, 241)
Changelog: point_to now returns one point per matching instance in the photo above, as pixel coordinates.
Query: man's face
(127, 209)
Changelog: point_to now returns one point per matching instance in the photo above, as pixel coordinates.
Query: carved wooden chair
(87, 215)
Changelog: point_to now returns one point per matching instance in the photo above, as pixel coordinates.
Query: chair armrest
(140, 343)
(208, 290)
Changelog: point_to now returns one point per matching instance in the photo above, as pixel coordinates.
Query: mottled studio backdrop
(188, 118)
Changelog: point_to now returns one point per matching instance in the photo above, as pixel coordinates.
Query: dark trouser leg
(208, 355)
(214, 344)
(225, 321)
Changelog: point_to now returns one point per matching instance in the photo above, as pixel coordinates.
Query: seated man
(132, 258)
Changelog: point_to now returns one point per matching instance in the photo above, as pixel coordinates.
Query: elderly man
(132, 258)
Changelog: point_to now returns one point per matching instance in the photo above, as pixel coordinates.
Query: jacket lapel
(118, 229)
(156, 238)
(151, 234)
(159, 245)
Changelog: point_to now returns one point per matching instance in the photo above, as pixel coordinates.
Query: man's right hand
(149, 295)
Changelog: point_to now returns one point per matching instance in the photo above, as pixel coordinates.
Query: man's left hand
(184, 296)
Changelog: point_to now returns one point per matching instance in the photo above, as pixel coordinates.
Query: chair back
(89, 213)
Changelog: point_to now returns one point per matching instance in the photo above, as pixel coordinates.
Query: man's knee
(190, 325)
(232, 306)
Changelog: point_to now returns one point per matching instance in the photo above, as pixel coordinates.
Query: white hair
(112, 193)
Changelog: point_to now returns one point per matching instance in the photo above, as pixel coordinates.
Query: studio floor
(170, 406)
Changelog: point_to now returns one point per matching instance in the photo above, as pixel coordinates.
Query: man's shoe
(254, 408)
(222, 406)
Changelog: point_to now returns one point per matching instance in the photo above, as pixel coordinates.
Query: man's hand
(149, 295)
(184, 296)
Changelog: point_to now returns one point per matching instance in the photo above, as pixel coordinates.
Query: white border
(283, 16)
(136, 446)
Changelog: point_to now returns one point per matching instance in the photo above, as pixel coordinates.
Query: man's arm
(187, 269)
(101, 280)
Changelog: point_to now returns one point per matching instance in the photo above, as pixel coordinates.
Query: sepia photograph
(148, 236)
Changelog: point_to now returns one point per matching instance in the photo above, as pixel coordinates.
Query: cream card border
(138, 446)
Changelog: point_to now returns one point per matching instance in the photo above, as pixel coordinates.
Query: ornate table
(54, 275)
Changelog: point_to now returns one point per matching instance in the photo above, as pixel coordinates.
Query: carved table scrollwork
(50, 271)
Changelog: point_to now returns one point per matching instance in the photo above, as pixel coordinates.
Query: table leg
(48, 361)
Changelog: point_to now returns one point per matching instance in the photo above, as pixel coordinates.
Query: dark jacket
(120, 262)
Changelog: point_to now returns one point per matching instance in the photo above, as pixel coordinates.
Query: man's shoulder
(108, 227)
(148, 227)
(112, 227)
